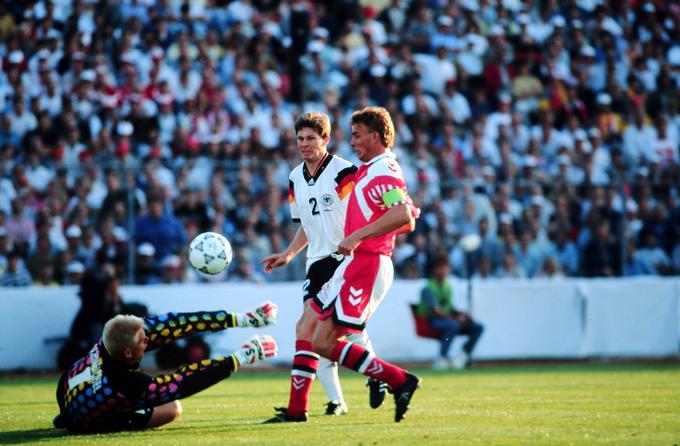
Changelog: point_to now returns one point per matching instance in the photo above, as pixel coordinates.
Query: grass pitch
(557, 405)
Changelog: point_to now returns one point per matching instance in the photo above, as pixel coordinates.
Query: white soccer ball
(210, 253)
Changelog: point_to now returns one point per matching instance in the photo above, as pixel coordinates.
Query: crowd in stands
(550, 128)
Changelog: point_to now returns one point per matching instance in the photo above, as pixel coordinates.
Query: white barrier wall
(523, 319)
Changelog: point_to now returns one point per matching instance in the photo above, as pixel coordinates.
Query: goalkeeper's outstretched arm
(165, 328)
(194, 377)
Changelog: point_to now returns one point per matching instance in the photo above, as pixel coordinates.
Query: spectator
(74, 273)
(601, 255)
(20, 225)
(147, 271)
(509, 268)
(164, 92)
(15, 274)
(550, 268)
(436, 304)
(42, 258)
(161, 229)
(652, 256)
(565, 251)
(633, 265)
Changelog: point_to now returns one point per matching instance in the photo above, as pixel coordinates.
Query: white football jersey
(319, 203)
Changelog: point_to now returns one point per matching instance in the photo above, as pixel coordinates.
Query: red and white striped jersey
(379, 185)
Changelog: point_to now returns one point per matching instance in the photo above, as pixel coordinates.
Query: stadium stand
(551, 128)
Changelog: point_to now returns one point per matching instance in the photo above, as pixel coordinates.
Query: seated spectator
(113, 246)
(633, 265)
(174, 269)
(74, 273)
(16, 273)
(527, 255)
(436, 304)
(160, 228)
(42, 256)
(550, 268)
(601, 254)
(509, 268)
(651, 254)
(484, 268)
(45, 277)
(147, 272)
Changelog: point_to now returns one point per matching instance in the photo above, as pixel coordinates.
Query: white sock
(361, 339)
(328, 375)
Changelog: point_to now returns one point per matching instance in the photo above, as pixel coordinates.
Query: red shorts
(355, 290)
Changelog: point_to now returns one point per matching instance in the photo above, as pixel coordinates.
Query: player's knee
(322, 346)
(305, 326)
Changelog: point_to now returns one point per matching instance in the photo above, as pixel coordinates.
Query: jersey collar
(388, 154)
(311, 179)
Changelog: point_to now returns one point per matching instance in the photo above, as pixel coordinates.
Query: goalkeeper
(106, 391)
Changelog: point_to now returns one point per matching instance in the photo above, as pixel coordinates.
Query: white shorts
(355, 290)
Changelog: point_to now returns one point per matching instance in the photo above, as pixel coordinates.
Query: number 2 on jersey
(315, 211)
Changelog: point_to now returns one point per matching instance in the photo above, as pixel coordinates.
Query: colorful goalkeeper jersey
(379, 185)
(100, 393)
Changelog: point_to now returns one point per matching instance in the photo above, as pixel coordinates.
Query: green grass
(557, 405)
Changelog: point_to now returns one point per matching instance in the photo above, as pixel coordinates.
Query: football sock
(328, 376)
(361, 339)
(358, 358)
(165, 328)
(305, 364)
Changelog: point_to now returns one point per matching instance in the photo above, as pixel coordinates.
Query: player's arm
(408, 227)
(186, 380)
(395, 218)
(165, 328)
(279, 259)
(193, 377)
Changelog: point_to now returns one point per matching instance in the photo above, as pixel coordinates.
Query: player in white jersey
(318, 191)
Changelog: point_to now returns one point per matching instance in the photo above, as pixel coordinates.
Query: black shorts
(319, 273)
(125, 421)
(139, 419)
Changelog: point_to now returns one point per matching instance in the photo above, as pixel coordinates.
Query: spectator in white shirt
(419, 103)
(435, 71)
(456, 103)
(637, 138)
(22, 121)
(664, 147)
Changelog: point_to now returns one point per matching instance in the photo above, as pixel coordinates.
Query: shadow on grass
(30, 435)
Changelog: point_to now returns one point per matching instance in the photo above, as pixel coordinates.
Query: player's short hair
(440, 260)
(376, 119)
(121, 332)
(316, 121)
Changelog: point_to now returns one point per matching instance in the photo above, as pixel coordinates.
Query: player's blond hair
(376, 119)
(121, 332)
(316, 121)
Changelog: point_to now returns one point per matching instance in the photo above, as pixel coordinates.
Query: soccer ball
(210, 253)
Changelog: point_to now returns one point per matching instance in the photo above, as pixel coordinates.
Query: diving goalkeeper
(106, 391)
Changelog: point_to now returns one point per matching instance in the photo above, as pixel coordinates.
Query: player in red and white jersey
(318, 192)
(379, 208)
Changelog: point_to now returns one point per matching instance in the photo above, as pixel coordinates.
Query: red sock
(357, 358)
(305, 364)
